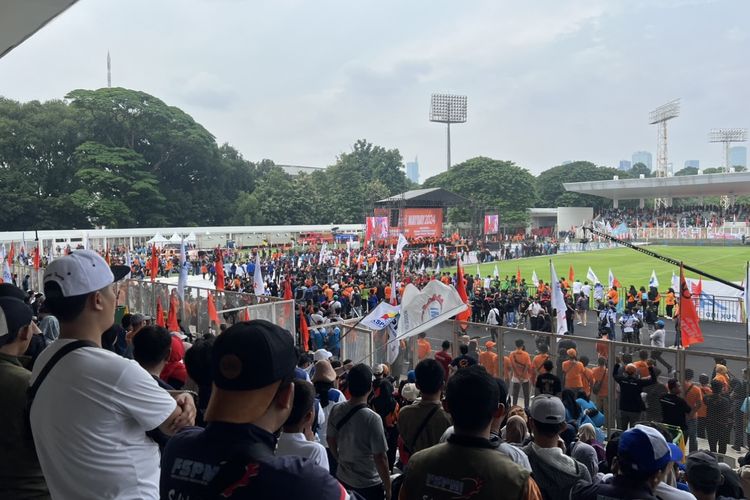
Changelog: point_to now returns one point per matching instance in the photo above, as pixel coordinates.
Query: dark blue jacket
(236, 461)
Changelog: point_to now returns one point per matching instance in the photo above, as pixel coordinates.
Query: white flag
(421, 270)
(496, 272)
(7, 275)
(402, 242)
(391, 350)
(183, 277)
(558, 301)
(478, 274)
(375, 268)
(437, 269)
(653, 282)
(747, 297)
(322, 252)
(425, 309)
(258, 287)
(388, 265)
(534, 278)
(592, 276)
(380, 316)
(676, 283)
(611, 278)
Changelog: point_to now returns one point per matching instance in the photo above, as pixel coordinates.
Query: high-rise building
(412, 170)
(625, 165)
(642, 157)
(692, 163)
(738, 156)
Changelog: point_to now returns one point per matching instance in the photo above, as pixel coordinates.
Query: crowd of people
(132, 410)
(675, 216)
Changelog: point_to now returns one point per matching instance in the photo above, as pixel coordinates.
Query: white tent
(191, 237)
(176, 238)
(158, 238)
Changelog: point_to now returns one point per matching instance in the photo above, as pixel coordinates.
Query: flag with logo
(689, 322)
(592, 276)
(427, 308)
(558, 301)
(402, 242)
(381, 316)
(653, 281)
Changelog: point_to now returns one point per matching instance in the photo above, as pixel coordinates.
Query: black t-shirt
(674, 410)
(463, 361)
(547, 383)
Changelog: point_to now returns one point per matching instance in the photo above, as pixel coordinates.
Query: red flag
(571, 274)
(174, 305)
(304, 331)
(159, 313)
(219, 265)
(247, 314)
(464, 316)
(288, 290)
(212, 314)
(689, 322)
(37, 264)
(154, 264)
(107, 257)
(518, 274)
(11, 253)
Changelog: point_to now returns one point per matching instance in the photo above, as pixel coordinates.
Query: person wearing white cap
(90, 408)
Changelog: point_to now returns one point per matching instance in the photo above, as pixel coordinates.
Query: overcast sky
(299, 81)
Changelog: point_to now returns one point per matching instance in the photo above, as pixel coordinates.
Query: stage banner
(376, 228)
(491, 224)
(423, 222)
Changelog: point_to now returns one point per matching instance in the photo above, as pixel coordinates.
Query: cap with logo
(247, 361)
(547, 409)
(14, 315)
(80, 273)
(644, 450)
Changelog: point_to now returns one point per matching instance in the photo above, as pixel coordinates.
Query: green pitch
(628, 266)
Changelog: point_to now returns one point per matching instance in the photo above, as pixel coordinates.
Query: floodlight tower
(727, 136)
(448, 108)
(659, 117)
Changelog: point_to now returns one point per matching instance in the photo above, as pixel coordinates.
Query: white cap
(81, 272)
(321, 354)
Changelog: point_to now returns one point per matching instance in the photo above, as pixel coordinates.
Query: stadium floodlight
(659, 117)
(727, 136)
(448, 108)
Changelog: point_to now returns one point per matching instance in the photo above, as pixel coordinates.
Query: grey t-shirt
(357, 441)
(657, 338)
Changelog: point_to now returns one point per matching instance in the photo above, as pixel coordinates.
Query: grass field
(628, 266)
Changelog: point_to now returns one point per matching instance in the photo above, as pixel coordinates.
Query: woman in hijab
(516, 431)
(385, 405)
(587, 434)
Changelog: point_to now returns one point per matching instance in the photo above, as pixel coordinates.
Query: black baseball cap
(14, 315)
(247, 361)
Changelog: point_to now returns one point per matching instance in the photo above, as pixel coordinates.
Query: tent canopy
(158, 238)
(176, 238)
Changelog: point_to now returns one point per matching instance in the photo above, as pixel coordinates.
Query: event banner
(491, 224)
(423, 222)
(376, 228)
(426, 308)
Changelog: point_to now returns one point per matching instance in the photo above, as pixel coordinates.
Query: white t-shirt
(296, 445)
(89, 421)
(577, 286)
(586, 290)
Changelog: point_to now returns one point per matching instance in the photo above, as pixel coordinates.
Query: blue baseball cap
(645, 449)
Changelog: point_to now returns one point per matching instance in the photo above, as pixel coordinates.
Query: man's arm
(333, 446)
(182, 416)
(381, 463)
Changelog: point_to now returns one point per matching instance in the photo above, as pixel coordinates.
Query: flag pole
(355, 324)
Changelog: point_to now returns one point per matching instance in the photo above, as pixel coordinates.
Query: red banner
(376, 228)
(423, 222)
(491, 224)
(689, 322)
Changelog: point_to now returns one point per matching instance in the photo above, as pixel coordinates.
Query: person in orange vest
(670, 301)
(538, 361)
(488, 359)
(573, 371)
(588, 376)
(600, 385)
(521, 368)
(613, 296)
(423, 346)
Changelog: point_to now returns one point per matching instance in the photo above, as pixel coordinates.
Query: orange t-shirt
(602, 349)
(538, 361)
(506, 368)
(388, 292)
(488, 359)
(423, 348)
(613, 296)
(642, 368)
(701, 413)
(588, 380)
(600, 374)
(574, 372)
(724, 381)
(694, 397)
(520, 364)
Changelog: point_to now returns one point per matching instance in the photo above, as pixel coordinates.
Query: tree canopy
(552, 193)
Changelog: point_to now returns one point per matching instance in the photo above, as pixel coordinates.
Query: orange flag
(11, 253)
(212, 314)
(174, 305)
(464, 316)
(518, 274)
(154, 264)
(689, 321)
(219, 265)
(107, 257)
(159, 313)
(304, 331)
(571, 274)
(288, 290)
(247, 314)
(37, 263)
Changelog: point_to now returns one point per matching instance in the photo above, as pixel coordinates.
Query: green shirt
(20, 474)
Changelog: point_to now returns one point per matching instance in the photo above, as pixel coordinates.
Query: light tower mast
(448, 108)
(727, 136)
(109, 71)
(659, 117)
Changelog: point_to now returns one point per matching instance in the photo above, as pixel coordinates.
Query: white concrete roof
(666, 187)
(19, 19)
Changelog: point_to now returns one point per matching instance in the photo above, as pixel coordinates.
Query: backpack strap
(67, 348)
(348, 416)
(421, 428)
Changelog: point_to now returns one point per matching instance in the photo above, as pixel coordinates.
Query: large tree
(686, 171)
(490, 185)
(553, 194)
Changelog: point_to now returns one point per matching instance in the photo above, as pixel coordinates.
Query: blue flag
(182, 280)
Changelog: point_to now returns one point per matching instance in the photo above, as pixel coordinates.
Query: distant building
(625, 165)
(642, 157)
(567, 162)
(692, 163)
(299, 169)
(738, 156)
(412, 171)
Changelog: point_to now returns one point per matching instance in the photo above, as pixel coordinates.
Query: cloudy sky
(298, 81)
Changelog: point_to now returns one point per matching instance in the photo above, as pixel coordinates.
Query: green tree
(639, 169)
(553, 194)
(686, 171)
(490, 185)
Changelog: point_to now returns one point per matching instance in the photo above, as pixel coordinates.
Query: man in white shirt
(90, 416)
(294, 441)
(577, 286)
(586, 289)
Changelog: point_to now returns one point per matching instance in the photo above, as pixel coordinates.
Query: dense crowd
(676, 216)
